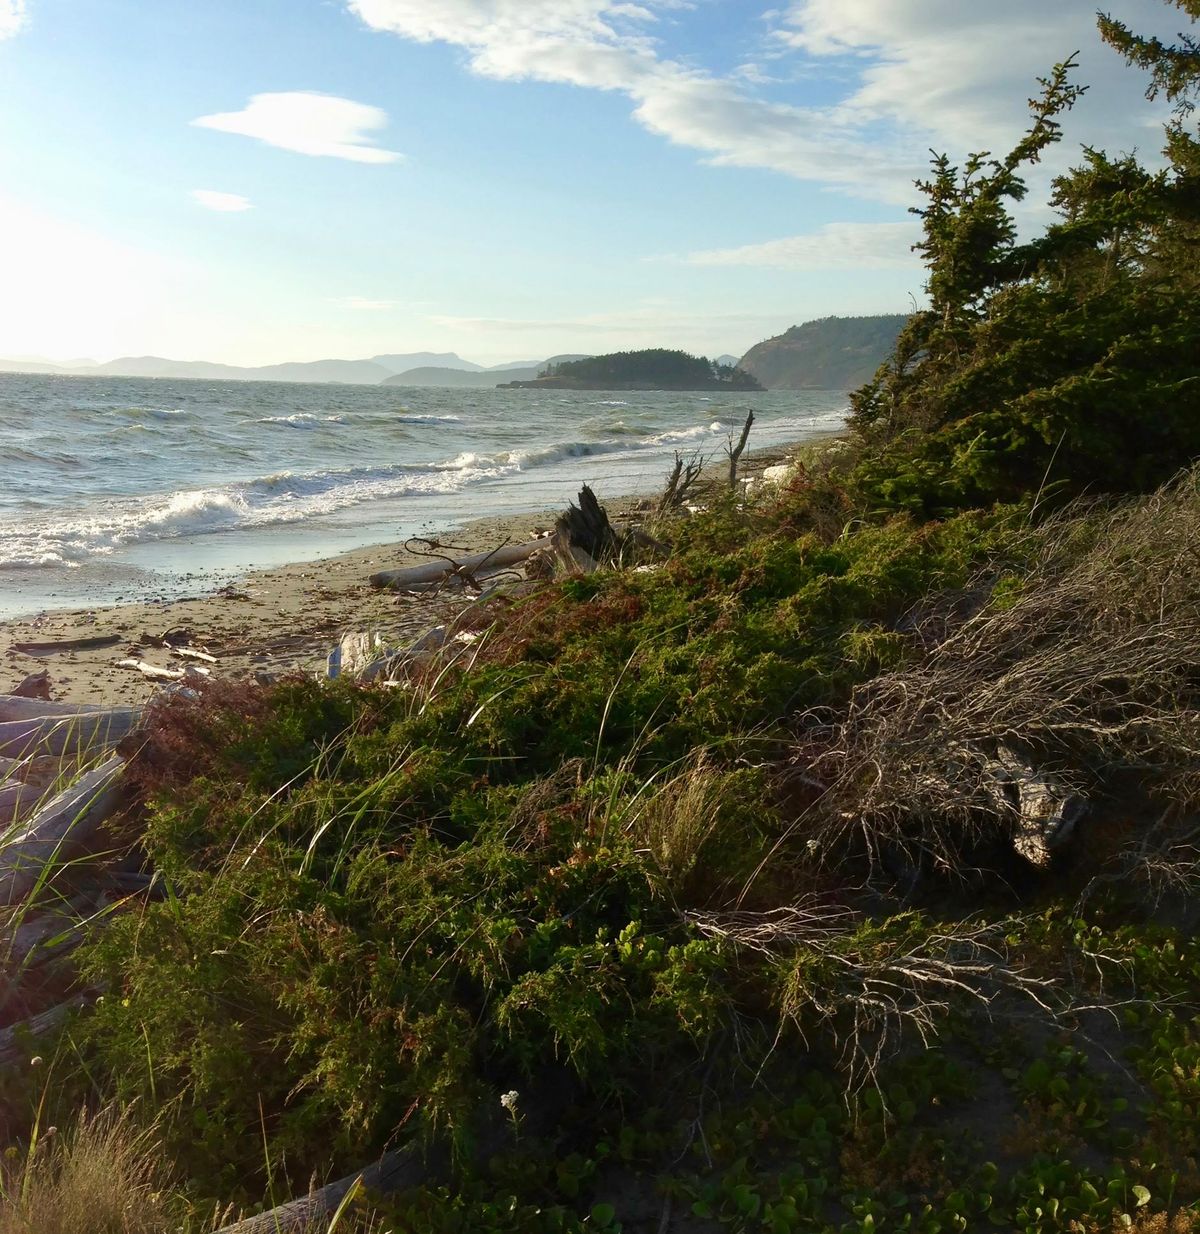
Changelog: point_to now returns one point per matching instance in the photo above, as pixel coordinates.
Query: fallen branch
(680, 483)
(438, 571)
(192, 653)
(153, 671)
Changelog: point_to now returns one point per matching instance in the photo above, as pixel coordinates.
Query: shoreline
(275, 620)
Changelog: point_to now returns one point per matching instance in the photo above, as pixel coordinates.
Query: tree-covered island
(656, 368)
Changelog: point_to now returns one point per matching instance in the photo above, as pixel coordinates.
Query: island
(656, 368)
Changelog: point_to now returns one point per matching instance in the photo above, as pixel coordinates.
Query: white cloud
(962, 70)
(224, 203)
(603, 45)
(906, 74)
(836, 246)
(12, 17)
(308, 123)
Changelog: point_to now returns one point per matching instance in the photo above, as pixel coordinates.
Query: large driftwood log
(67, 644)
(438, 571)
(12, 1039)
(393, 1172)
(14, 707)
(62, 829)
(48, 935)
(16, 801)
(68, 735)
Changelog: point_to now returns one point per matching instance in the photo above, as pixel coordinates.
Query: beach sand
(279, 620)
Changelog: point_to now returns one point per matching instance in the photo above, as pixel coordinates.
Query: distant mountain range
(370, 372)
(832, 353)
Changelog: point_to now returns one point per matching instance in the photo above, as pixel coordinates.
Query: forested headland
(655, 368)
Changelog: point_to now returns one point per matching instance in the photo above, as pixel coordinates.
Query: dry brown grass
(1089, 668)
(101, 1176)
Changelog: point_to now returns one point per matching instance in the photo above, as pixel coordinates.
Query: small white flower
(509, 1100)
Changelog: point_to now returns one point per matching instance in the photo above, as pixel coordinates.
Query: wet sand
(279, 620)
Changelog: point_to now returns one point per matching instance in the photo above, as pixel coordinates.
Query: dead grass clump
(102, 1176)
(695, 830)
(1087, 668)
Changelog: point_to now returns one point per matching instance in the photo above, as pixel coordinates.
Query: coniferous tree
(1071, 359)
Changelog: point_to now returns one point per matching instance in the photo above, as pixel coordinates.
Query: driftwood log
(434, 572)
(393, 1172)
(68, 735)
(67, 644)
(12, 1039)
(65, 827)
(15, 707)
(16, 801)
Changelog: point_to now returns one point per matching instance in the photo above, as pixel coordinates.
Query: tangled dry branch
(1088, 669)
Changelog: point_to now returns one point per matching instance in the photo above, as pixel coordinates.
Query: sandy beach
(273, 621)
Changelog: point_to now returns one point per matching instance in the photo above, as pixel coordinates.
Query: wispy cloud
(605, 45)
(961, 72)
(223, 203)
(836, 246)
(321, 125)
(361, 304)
(906, 74)
(12, 17)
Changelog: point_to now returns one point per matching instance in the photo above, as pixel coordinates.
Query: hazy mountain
(833, 353)
(418, 368)
(425, 359)
(732, 361)
(355, 372)
(484, 379)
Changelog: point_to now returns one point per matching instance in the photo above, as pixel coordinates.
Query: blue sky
(261, 180)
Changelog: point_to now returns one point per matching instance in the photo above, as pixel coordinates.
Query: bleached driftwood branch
(437, 571)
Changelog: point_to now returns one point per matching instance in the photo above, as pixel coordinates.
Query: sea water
(131, 488)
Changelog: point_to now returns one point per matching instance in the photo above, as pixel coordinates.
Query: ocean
(134, 488)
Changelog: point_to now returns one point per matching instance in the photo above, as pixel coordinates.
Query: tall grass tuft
(101, 1176)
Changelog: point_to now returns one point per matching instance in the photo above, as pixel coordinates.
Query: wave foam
(301, 419)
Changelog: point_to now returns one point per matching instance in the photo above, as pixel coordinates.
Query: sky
(254, 181)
